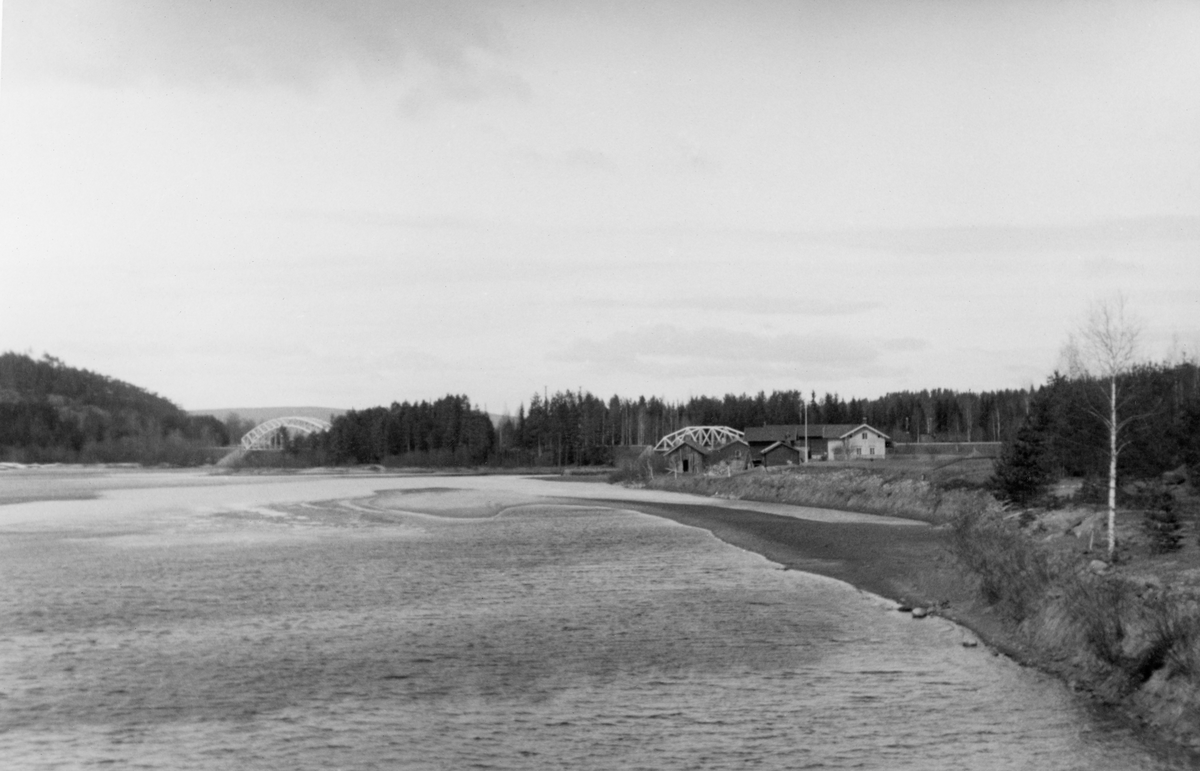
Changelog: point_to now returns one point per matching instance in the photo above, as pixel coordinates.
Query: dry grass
(1129, 639)
(839, 487)
(1013, 572)
(1122, 638)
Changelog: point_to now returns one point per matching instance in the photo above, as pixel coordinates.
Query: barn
(687, 457)
(781, 454)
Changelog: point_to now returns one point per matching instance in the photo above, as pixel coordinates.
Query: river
(184, 621)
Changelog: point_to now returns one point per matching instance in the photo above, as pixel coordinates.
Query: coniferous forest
(52, 412)
(1064, 433)
(577, 428)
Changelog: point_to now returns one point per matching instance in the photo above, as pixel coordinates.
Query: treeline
(50, 412)
(1065, 433)
(578, 428)
(447, 432)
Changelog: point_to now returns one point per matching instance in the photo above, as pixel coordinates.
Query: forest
(1065, 434)
(447, 432)
(576, 428)
(53, 413)
(50, 412)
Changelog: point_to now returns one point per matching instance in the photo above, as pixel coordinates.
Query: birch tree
(1105, 349)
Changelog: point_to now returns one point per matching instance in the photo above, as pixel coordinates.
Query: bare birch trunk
(1106, 348)
(1112, 468)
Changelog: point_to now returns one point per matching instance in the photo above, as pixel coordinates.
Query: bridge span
(268, 435)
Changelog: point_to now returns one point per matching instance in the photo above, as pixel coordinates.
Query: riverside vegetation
(1027, 577)
(1028, 539)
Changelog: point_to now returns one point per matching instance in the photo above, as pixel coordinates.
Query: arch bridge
(708, 437)
(269, 436)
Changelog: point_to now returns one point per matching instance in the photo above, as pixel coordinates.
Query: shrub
(1099, 607)
(1093, 490)
(639, 470)
(1176, 633)
(1014, 573)
(1164, 529)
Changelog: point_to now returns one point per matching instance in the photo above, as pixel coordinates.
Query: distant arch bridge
(268, 435)
(708, 437)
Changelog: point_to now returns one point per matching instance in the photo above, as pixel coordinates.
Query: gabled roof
(860, 427)
(784, 432)
(778, 445)
(776, 433)
(688, 443)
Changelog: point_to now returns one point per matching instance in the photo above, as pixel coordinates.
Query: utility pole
(805, 430)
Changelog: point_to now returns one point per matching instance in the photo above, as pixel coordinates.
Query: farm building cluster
(700, 448)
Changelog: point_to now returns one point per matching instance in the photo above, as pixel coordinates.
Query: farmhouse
(864, 443)
(825, 441)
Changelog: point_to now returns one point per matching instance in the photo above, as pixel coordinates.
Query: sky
(345, 204)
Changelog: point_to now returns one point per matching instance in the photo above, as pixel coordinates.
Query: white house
(861, 443)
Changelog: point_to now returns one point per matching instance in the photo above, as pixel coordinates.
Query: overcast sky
(292, 202)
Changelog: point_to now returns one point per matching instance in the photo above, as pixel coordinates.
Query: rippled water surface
(316, 624)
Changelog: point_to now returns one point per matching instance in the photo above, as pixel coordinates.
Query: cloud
(463, 85)
(1105, 265)
(197, 42)
(669, 351)
(1021, 238)
(805, 306)
(575, 159)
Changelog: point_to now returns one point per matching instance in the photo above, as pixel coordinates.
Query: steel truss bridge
(708, 437)
(268, 435)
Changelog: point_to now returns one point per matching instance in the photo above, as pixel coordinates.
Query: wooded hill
(50, 412)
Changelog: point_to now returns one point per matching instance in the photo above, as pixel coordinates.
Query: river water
(189, 622)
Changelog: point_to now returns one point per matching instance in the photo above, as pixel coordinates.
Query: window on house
(858, 451)
(872, 450)
(864, 434)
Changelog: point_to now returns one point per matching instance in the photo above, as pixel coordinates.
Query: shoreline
(909, 566)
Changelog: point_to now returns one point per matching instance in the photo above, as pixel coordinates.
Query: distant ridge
(259, 414)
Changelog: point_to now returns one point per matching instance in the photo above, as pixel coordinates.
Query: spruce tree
(1023, 469)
